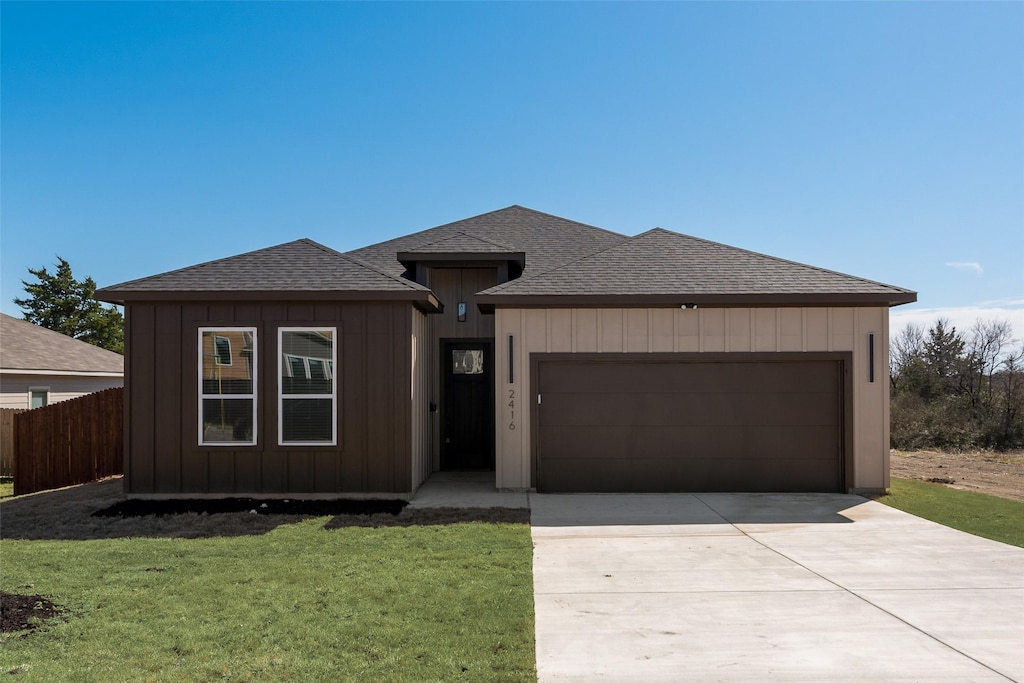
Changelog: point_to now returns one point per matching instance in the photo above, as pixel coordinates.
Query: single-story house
(39, 366)
(561, 356)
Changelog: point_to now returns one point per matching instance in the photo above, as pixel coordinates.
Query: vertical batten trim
(778, 330)
(675, 329)
(572, 330)
(650, 329)
(831, 329)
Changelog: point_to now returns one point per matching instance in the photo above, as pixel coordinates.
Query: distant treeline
(958, 391)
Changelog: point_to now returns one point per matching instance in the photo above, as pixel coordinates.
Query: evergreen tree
(63, 304)
(944, 357)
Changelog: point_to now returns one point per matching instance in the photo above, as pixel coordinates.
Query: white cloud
(961, 317)
(972, 266)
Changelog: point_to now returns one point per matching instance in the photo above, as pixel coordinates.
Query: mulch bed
(344, 513)
(24, 612)
(316, 508)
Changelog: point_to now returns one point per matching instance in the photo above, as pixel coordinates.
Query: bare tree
(985, 354)
(905, 350)
(1012, 371)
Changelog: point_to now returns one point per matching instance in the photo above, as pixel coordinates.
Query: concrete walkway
(757, 587)
(465, 490)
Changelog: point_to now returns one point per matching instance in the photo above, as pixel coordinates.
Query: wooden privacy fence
(7, 440)
(68, 443)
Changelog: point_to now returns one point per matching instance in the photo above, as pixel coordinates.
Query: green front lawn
(300, 602)
(1000, 519)
(6, 488)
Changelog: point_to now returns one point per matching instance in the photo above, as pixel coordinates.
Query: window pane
(306, 354)
(227, 420)
(227, 378)
(307, 419)
(297, 367)
(38, 399)
(317, 369)
(222, 348)
(467, 361)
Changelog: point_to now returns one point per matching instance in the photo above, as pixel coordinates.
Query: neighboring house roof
(664, 267)
(547, 240)
(300, 267)
(29, 349)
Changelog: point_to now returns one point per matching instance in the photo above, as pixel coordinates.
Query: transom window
(307, 387)
(227, 386)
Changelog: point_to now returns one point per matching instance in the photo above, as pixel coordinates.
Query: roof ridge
(303, 240)
(201, 265)
(415, 286)
(463, 233)
(780, 259)
(567, 220)
(498, 288)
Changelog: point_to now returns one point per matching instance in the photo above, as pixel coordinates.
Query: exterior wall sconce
(871, 357)
(511, 361)
(462, 311)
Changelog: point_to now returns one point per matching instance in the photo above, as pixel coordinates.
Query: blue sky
(884, 140)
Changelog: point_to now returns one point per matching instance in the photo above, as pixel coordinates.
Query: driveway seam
(853, 593)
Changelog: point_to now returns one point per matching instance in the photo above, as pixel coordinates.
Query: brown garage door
(649, 426)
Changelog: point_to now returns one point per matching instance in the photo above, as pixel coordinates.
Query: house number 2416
(512, 405)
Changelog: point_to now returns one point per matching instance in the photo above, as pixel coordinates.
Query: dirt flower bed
(25, 612)
(998, 474)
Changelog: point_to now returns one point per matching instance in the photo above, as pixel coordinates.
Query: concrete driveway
(751, 587)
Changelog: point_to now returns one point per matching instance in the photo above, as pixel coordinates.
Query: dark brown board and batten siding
(452, 285)
(373, 455)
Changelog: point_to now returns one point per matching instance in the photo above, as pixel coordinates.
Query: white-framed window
(38, 397)
(227, 391)
(307, 396)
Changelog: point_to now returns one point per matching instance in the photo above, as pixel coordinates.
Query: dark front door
(467, 418)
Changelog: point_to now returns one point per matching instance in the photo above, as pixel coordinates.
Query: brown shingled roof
(460, 242)
(664, 267)
(283, 271)
(547, 240)
(24, 346)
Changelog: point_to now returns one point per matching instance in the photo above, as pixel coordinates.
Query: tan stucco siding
(641, 330)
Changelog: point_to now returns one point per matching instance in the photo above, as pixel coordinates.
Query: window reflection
(467, 361)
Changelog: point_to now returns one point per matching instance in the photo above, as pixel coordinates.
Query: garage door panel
(600, 442)
(602, 377)
(704, 474)
(657, 442)
(583, 476)
(690, 426)
(661, 442)
(581, 409)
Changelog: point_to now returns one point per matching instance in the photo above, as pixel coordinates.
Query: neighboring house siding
(375, 446)
(14, 388)
(640, 330)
